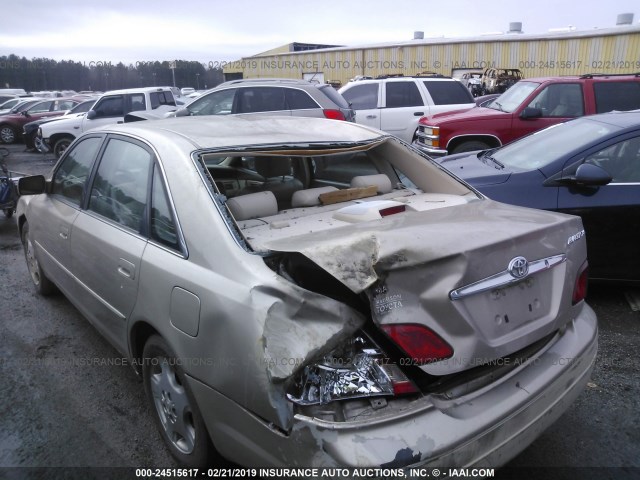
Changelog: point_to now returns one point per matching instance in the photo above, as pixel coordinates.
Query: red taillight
(422, 344)
(391, 210)
(399, 381)
(580, 288)
(333, 114)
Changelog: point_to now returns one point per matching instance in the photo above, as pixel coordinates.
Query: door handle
(372, 116)
(126, 268)
(418, 114)
(64, 232)
(120, 121)
(124, 272)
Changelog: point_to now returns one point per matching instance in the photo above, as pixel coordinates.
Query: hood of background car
(470, 168)
(471, 115)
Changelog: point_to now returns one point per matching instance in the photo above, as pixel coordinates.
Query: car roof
(585, 77)
(620, 119)
(138, 90)
(247, 130)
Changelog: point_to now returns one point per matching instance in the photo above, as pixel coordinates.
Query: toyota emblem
(518, 267)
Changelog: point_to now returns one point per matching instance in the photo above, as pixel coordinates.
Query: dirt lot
(64, 403)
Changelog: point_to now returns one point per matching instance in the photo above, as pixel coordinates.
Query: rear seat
(309, 197)
(380, 180)
(253, 205)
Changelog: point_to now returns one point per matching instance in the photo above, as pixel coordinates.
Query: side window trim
(182, 250)
(89, 179)
(155, 163)
(96, 166)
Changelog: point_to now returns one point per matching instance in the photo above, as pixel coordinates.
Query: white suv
(109, 108)
(395, 104)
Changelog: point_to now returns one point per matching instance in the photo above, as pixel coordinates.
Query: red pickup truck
(528, 106)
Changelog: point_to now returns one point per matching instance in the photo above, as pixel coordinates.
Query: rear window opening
(273, 195)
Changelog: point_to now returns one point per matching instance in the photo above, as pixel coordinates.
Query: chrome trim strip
(504, 278)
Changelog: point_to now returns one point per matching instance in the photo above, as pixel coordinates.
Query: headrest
(380, 180)
(309, 197)
(270, 167)
(253, 205)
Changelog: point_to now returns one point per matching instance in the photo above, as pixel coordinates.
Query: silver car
(272, 96)
(305, 292)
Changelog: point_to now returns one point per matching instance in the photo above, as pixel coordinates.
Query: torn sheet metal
(358, 254)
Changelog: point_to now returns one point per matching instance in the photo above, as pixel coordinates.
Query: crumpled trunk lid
(409, 265)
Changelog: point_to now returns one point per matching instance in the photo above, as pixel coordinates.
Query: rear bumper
(484, 428)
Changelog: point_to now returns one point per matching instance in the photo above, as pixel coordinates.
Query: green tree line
(38, 74)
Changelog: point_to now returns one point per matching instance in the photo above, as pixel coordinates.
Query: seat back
(309, 197)
(380, 180)
(253, 205)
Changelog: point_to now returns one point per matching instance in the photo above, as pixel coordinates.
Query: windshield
(512, 98)
(541, 148)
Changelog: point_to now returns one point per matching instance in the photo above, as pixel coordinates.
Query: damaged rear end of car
(407, 320)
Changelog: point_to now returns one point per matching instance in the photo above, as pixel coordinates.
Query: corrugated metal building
(605, 50)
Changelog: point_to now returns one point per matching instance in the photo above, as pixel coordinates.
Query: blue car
(589, 167)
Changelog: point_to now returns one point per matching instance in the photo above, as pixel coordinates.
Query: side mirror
(25, 113)
(531, 112)
(591, 175)
(33, 185)
(91, 114)
(182, 112)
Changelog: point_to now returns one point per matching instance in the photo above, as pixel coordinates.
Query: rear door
(365, 99)
(610, 213)
(261, 101)
(110, 236)
(403, 107)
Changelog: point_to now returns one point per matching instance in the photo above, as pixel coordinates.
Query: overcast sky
(215, 31)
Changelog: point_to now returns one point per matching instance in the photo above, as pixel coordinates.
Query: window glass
(616, 96)
(72, 174)
(260, 99)
(363, 96)
(163, 228)
(137, 102)
(545, 146)
(299, 99)
(560, 100)
(40, 107)
(403, 94)
(621, 161)
(215, 103)
(341, 168)
(112, 106)
(119, 190)
(161, 98)
(512, 98)
(448, 93)
(62, 105)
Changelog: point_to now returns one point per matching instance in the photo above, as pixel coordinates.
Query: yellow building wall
(570, 55)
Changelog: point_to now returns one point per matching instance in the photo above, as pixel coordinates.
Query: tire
(61, 146)
(470, 146)
(7, 134)
(174, 408)
(43, 285)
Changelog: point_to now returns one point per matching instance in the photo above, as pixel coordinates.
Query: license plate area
(501, 311)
